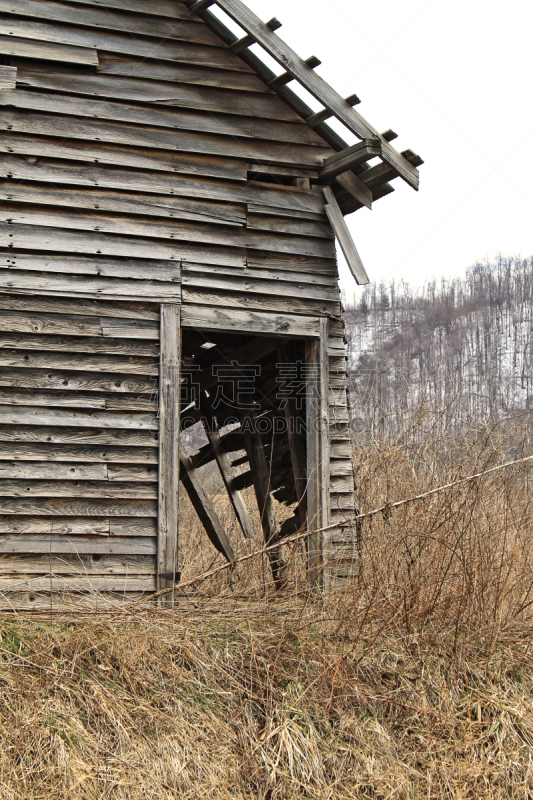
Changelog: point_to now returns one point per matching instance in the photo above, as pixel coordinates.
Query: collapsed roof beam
(344, 238)
(316, 85)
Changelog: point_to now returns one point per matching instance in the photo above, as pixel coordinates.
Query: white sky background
(453, 78)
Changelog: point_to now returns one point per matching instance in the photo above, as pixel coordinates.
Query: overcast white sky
(454, 79)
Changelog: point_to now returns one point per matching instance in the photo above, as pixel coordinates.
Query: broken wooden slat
(169, 456)
(353, 184)
(345, 239)
(204, 507)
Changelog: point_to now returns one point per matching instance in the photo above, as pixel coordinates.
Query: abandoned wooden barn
(170, 209)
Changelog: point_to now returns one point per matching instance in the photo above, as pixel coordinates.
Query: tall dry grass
(412, 680)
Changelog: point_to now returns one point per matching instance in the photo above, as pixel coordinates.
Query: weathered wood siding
(78, 445)
(129, 140)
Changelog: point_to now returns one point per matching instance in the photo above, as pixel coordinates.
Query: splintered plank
(169, 457)
(212, 144)
(164, 117)
(150, 91)
(345, 240)
(63, 545)
(52, 453)
(183, 29)
(137, 158)
(47, 51)
(76, 381)
(118, 583)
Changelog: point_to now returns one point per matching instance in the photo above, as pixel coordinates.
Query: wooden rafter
(299, 70)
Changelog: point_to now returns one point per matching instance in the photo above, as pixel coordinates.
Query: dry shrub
(412, 680)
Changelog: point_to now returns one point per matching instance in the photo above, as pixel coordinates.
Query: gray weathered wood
(95, 308)
(86, 362)
(289, 155)
(75, 381)
(76, 565)
(356, 187)
(19, 282)
(86, 526)
(204, 507)
(169, 456)
(247, 284)
(223, 460)
(200, 98)
(76, 472)
(261, 477)
(345, 240)
(349, 158)
(167, 271)
(78, 400)
(123, 202)
(79, 325)
(64, 545)
(8, 78)
(78, 507)
(235, 320)
(80, 436)
(118, 583)
(50, 453)
(276, 303)
(98, 489)
(183, 29)
(183, 119)
(47, 51)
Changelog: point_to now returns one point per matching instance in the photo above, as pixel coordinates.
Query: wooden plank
(289, 225)
(56, 417)
(164, 117)
(79, 400)
(183, 29)
(179, 232)
(267, 152)
(47, 51)
(18, 282)
(249, 285)
(87, 363)
(345, 240)
(297, 438)
(224, 464)
(79, 344)
(75, 381)
(42, 237)
(317, 86)
(137, 158)
(113, 64)
(355, 186)
(204, 507)
(47, 171)
(126, 203)
(51, 453)
(84, 526)
(8, 78)
(169, 456)
(78, 507)
(200, 98)
(163, 8)
(267, 302)
(79, 325)
(99, 489)
(95, 308)
(117, 583)
(349, 158)
(261, 477)
(64, 545)
(79, 436)
(229, 320)
(10, 470)
(291, 275)
(165, 271)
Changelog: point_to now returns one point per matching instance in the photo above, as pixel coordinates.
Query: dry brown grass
(412, 681)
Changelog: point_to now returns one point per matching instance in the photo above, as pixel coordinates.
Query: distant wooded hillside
(464, 343)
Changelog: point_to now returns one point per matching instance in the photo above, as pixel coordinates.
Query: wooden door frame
(314, 331)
